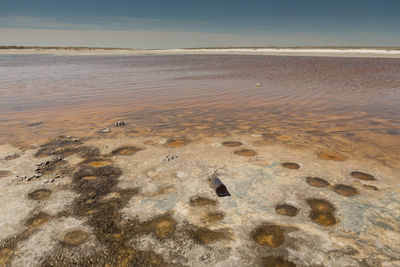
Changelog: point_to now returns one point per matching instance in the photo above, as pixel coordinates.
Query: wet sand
(315, 187)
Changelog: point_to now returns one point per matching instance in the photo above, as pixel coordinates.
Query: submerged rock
(120, 123)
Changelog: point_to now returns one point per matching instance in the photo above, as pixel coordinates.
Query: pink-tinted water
(308, 99)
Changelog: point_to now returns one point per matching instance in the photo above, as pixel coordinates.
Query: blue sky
(186, 23)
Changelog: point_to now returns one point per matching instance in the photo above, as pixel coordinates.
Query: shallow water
(345, 104)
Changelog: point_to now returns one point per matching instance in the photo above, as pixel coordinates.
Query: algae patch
(231, 144)
(39, 194)
(290, 165)
(322, 212)
(286, 209)
(268, 235)
(75, 238)
(317, 182)
(245, 152)
(126, 151)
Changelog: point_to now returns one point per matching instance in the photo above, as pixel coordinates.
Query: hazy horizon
(182, 24)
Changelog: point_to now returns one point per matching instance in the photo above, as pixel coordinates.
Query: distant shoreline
(380, 52)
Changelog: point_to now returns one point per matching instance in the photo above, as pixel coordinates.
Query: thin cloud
(170, 39)
(98, 23)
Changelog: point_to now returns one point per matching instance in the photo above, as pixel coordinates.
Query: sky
(205, 23)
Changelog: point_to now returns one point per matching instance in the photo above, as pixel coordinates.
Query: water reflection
(340, 104)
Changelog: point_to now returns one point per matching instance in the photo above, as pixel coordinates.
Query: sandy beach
(106, 160)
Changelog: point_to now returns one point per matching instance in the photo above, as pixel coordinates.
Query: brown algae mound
(290, 165)
(287, 210)
(276, 261)
(75, 238)
(322, 212)
(175, 143)
(104, 218)
(63, 146)
(232, 144)
(4, 173)
(207, 236)
(320, 205)
(202, 201)
(83, 151)
(126, 150)
(5, 256)
(98, 162)
(268, 235)
(125, 256)
(88, 152)
(370, 187)
(345, 190)
(323, 219)
(330, 155)
(89, 178)
(95, 181)
(214, 216)
(363, 176)
(90, 212)
(38, 220)
(317, 182)
(165, 228)
(50, 166)
(11, 157)
(39, 194)
(245, 152)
